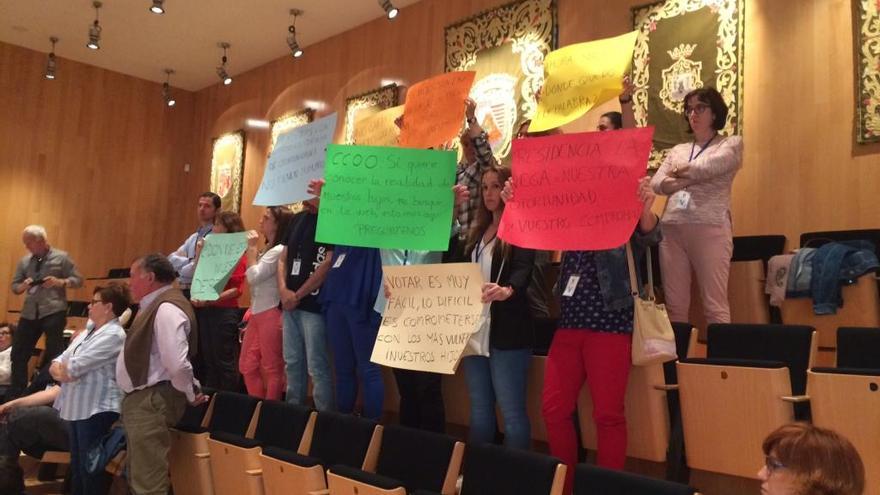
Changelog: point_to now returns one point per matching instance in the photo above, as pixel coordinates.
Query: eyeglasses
(5, 332)
(96, 301)
(698, 109)
(773, 464)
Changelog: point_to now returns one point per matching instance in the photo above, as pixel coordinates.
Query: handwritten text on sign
(219, 256)
(434, 109)
(431, 314)
(576, 191)
(379, 128)
(395, 198)
(579, 77)
(297, 158)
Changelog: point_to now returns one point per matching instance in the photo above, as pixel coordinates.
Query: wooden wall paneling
(94, 155)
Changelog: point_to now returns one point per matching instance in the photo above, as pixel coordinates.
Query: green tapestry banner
(685, 45)
(867, 27)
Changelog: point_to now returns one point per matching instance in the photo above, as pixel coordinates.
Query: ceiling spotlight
(390, 10)
(157, 7)
(51, 63)
(95, 30)
(295, 49)
(166, 88)
(221, 71)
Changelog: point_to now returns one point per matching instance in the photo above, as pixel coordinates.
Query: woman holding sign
(261, 349)
(698, 177)
(497, 356)
(593, 343)
(218, 320)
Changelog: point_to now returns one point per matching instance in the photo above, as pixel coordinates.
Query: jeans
(25, 339)
(83, 435)
(352, 333)
(305, 350)
(503, 377)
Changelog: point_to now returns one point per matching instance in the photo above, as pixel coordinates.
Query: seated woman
(6, 331)
(803, 459)
(89, 397)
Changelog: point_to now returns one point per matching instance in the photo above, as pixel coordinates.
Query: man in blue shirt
(183, 259)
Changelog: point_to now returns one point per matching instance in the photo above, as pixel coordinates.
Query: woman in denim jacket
(593, 343)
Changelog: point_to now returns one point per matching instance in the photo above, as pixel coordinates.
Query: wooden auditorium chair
(593, 480)
(409, 460)
(746, 388)
(846, 399)
(647, 406)
(338, 439)
(235, 459)
(190, 459)
(861, 300)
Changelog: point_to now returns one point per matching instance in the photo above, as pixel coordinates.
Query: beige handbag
(653, 338)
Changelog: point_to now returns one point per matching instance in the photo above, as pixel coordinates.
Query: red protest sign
(576, 191)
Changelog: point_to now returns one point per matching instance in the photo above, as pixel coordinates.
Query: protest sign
(218, 258)
(434, 110)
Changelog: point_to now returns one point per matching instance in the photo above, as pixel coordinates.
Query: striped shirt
(91, 362)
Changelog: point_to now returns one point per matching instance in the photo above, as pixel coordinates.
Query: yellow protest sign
(430, 315)
(378, 129)
(435, 109)
(579, 77)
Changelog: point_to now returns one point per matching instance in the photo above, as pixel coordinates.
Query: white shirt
(169, 359)
(478, 344)
(263, 280)
(6, 366)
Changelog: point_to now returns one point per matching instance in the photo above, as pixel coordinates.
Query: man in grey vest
(155, 373)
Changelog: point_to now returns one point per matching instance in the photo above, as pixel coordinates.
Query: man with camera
(44, 276)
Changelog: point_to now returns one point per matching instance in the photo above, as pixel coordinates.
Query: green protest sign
(394, 198)
(219, 256)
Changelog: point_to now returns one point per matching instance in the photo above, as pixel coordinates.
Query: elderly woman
(89, 397)
(697, 227)
(803, 459)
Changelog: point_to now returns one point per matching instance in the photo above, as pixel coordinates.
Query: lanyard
(405, 256)
(479, 250)
(692, 158)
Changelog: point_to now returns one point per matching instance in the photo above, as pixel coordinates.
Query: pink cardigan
(712, 172)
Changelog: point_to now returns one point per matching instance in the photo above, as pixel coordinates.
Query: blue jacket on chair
(835, 263)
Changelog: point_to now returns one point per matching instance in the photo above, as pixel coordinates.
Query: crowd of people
(310, 300)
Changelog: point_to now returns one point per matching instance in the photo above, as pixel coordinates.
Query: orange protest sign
(434, 109)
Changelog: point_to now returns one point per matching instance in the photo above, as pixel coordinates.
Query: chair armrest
(203, 455)
(325, 491)
(254, 472)
(795, 399)
(666, 388)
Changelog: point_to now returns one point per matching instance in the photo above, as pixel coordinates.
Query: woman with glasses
(89, 397)
(697, 227)
(802, 459)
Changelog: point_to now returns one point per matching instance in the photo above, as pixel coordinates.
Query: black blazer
(511, 326)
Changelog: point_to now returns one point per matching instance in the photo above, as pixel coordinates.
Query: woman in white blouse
(89, 397)
(261, 362)
(697, 227)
